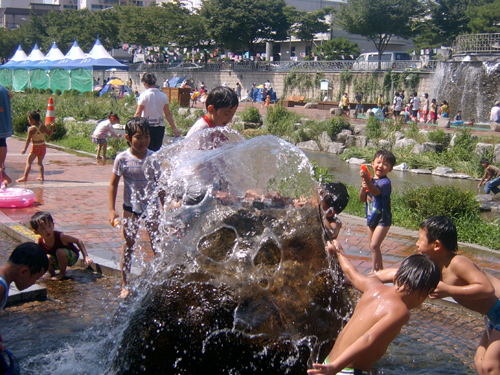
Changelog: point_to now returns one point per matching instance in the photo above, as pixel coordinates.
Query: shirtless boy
(465, 282)
(380, 314)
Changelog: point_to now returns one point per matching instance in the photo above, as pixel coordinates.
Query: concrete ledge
(22, 234)
(34, 292)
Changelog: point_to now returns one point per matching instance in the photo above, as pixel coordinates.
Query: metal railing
(477, 44)
(285, 66)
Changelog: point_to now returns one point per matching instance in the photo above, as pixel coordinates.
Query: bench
(293, 100)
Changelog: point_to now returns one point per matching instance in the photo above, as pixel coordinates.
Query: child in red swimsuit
(63, 250)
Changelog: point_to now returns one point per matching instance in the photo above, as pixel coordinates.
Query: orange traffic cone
(50, 116)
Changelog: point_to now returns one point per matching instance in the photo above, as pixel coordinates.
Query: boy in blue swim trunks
(465, 282)
(63, 250)
(380, 313)
(25, 266)
(376, 193)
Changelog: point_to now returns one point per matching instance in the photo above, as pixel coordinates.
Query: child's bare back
(375, 323)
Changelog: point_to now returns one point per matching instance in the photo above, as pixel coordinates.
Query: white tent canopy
(35, 56)
(50, 58)
(99, 59)
(19, 56)
(74, 55)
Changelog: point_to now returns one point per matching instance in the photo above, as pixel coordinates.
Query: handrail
(284, 66)
(487, 43)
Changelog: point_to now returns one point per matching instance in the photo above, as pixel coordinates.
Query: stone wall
(246, 79)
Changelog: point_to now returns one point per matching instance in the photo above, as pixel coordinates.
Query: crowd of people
(381, 312)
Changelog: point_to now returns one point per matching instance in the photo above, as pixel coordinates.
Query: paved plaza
(75, 192)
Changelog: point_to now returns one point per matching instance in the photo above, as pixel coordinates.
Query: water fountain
(241, 283)
(469, 86)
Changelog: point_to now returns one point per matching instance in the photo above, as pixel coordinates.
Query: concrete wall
(358, 80)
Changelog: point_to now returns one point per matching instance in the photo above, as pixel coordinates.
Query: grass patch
(414, 204)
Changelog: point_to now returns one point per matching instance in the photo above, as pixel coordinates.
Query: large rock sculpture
(241, 283)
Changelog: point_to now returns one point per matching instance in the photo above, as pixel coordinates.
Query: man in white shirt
(495, 113)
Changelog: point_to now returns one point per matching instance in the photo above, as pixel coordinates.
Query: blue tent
(125, 90)
(174, 82)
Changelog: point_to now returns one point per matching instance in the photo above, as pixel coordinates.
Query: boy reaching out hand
(380, 313)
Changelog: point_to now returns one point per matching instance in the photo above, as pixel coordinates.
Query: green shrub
(251, 114)
(373, 128)
(439, 136)
(58, 92)
(439, 200)
(49, 91)
(42, 91)
(20, 124)
(59, 131)
(280, 121)
(322, 174)
(464, 145)
(337, 124)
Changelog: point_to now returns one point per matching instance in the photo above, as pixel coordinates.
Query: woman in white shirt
(153, 104)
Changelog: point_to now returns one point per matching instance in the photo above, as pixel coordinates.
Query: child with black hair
(376, 193)
(380, 313)
(99, 136)
(36, 135)
(221, 104)
(129, 164)
(333, 199)
(465, 282)
(62, 249)
(25, 266)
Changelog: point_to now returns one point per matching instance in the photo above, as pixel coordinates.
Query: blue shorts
(494, 316)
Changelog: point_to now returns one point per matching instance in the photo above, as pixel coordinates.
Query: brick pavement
(75, 192)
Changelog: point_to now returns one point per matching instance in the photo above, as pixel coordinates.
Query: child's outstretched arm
(67, 239)
(48, 129)
(475, 283)
(359, 281)
(113, 190)
(386, 275)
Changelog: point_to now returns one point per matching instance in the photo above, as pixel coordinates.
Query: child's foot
(98, 158)
(6, 178)
(124, 292)
(40, 179)
(22, 179)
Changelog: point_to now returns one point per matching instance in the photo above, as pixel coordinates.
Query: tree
(484, 17)
(338, 49)
(241, 24)
(446, 19)
(380, 20)
(307, 24)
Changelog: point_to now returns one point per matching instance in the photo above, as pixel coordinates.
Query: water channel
(349, 174)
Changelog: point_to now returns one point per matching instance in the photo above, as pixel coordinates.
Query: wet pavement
(75, 192)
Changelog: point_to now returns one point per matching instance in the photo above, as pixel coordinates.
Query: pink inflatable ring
(16, 197)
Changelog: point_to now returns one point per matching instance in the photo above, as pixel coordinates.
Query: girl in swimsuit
(36, 135)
